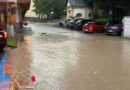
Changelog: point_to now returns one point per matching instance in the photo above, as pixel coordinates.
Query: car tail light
(5, 35)
(91, 28)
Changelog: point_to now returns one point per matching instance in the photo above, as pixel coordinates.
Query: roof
(77, 3)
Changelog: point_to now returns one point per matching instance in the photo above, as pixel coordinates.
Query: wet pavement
(5, 80)
(62, 59)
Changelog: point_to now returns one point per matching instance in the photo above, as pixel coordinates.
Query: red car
(93, 27)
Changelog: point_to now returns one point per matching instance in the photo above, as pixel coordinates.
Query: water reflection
(5, 80)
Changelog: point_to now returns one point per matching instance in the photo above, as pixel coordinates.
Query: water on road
(62, 59)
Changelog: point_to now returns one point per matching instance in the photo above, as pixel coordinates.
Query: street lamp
(52, 13)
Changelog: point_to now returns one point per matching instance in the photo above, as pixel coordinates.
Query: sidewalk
(18, 60)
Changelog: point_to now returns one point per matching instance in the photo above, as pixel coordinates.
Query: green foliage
(12, 43)
(45, 7)
(118, 7)
(102, 19)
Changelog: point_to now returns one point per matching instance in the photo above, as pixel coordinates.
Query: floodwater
(62, 59)
(5, 80)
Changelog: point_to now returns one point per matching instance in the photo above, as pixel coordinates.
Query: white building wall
(30, 12)
(88, 12)
(126, 22)
(80, 10)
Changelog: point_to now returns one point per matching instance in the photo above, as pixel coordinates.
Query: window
(69, 11)
(78, 15)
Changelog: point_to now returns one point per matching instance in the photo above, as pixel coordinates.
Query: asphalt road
(62, 59)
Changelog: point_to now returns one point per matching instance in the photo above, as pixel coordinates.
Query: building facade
(30, 12)
(13, 12)
(79, 8)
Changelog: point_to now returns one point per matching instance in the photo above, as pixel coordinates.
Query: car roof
(116, 21)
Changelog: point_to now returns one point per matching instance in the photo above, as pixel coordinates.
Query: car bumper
(87, 30)
(113, 32)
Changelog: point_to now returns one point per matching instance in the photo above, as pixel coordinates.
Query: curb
(18, 43)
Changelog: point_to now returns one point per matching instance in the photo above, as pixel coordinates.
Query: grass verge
(12, 43)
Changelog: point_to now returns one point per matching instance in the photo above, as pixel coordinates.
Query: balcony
(23, 1)
(18, 1)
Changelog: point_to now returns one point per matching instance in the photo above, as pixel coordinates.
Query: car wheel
(84, 32)
(75, 27)
(71, 27)
(1, 48)
(60, 25)
(120, 34)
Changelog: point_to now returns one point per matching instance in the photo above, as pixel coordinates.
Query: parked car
(114, 28)
(93, 27)
(80, 23)
(3, 39)
(73, 22)
(25, 23)
(69, 24)
(62, 23)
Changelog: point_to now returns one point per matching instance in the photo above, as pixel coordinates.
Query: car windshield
(89, 23)
(79, 21)
(115, 23)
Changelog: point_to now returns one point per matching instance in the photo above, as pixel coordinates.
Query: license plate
(85, 29)
(110, 30)
(1, 36)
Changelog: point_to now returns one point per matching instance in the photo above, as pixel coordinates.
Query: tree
(45, 7)
(119, 8)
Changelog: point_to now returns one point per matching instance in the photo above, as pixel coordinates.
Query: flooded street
(62, 59)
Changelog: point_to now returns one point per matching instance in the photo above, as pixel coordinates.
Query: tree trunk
(48, 16)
